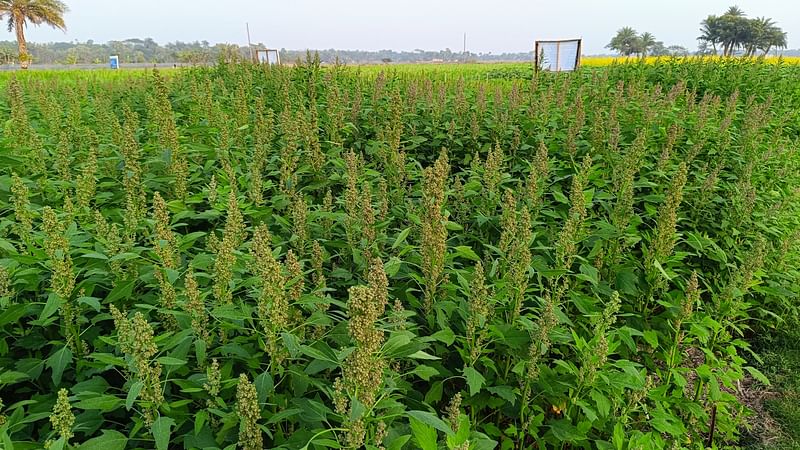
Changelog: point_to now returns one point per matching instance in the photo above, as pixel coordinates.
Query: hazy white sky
(492, 26)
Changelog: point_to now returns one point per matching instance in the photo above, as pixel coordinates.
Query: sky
(491, 26)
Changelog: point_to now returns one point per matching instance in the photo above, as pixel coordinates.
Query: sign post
(557, 55)
(114, 61)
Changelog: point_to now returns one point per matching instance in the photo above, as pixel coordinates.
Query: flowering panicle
(367, 215)
(300, 223)
(690, 299)
(335, 108)
(86, 184)
(294, 272)
(263, 135)
(249, 412)
(290, 124)
(19, 127)
(135, 198)
(453, 412)
(111, 237)
(234, 223)
(595, 355)
(62, 419)
(508, 221)
(625, 177)
(433, 245)
(196, 308)
(233, 236)
(663, 240)
(674, 133)
(317, 260)
(480, 311)
(351, 195)
(24, 218)
(273, 307)
(211, 191)
(136, 341)
(63, 157)
(165, 243)
(5, 284)
(730, 301)
(575, 126)
(223, 269)
(537, 179)
(493, 171)
(164, 119)
(62, 280)
(383, 200)
(363, 369)
(327, 209)
(568, 238)
(168, 299)
(316, 156)
(519, 261)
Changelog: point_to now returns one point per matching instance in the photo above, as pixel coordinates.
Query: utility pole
(464, 52)
(249, 45)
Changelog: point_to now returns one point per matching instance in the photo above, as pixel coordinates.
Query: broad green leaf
(445, 335)
(424, 434)
(161, 431)
(109, 440)
(466, 252)
(425, 372)
(474, 380)
(431, 420)
(651, 336)
(264, 385)
(58, 444)
(103, 402)
(401, 238)
(170, 361)
(760, 377)
(133, 394)
(59, 361)
(422, 355)
(52, 305)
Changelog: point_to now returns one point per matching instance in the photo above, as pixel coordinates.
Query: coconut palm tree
(646, 42)
(775, 38)
(22, 12)
(626, 42)
(711, 32)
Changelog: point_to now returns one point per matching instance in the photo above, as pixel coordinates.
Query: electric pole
(249, 45)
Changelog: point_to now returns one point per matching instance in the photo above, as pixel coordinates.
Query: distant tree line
(734, 32)
(129, 51)
(729, 34)
(628, 42)
(202, 52)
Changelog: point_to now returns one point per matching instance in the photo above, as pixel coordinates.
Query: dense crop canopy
(328, 257)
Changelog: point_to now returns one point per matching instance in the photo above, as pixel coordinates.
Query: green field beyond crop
(417, 257)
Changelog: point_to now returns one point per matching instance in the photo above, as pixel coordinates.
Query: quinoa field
(396, 257)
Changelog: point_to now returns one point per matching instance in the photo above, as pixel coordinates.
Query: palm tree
(735, 11)
(37, 12)
(776, 37)
(712, 33)
(625, 41)
(646, 42)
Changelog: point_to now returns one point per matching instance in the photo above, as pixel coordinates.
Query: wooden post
(558, 56)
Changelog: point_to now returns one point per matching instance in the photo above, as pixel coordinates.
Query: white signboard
(558, 56)
(268, 56)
